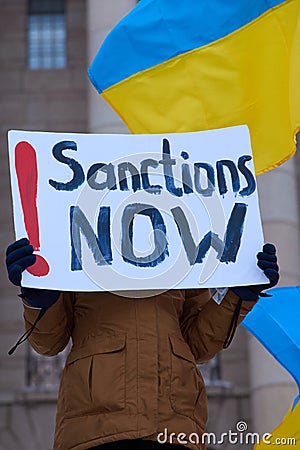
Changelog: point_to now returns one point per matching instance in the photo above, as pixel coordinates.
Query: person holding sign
(131, 380)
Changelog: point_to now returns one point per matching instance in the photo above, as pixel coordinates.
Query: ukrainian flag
(286, 435)
(274, 322)
(189, 65)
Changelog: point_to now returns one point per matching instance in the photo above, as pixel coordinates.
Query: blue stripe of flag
(158, 30)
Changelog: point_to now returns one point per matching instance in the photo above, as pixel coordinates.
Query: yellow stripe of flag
(286, 435)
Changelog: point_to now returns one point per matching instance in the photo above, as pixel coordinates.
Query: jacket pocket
(94, 380)
(187, 386)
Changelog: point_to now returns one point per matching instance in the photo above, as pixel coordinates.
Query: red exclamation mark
(27, 174)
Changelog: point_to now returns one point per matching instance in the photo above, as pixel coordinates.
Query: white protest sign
(137, 212)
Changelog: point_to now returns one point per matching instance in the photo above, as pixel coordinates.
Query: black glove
(19, 256)
(267, 261)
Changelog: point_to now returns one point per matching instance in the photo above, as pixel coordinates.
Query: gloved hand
(19, 256)
(267, 261)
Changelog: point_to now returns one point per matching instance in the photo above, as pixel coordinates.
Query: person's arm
(210, 328)
(52, 332)
(48, 313)
(20, 256)
(207, 329)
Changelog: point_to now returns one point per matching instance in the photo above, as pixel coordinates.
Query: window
(44, 373)
(211, 371)
(46, 34)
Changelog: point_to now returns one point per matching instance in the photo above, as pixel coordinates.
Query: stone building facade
(52, 93)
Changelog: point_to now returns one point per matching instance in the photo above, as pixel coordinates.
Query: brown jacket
(131, 372)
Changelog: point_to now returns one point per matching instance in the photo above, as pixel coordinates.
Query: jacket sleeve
(205, 325)
(52, 332)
